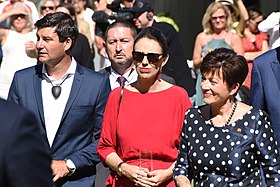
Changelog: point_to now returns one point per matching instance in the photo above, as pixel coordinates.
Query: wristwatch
(70, 166)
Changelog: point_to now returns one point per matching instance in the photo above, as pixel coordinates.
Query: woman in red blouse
(141, 129)
(255, 42)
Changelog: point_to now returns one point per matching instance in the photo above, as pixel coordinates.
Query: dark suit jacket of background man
(24, 162)
(176, 66)
(80, 123)
(265, 87)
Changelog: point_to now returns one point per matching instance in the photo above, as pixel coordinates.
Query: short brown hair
(233, 67)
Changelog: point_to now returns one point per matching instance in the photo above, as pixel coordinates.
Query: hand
(102, 52)
(59, 169)
(14, 10)
(30, 49)
(158, 176)
(135, 174)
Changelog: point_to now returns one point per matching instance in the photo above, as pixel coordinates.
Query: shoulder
(90, 74)
(179, 91)
(10, 112)
(114, 94)
(202, 36)
(105, 71)
(167, 29)
(164, 25)
(270, 55)
(234, 36)
(30, 71)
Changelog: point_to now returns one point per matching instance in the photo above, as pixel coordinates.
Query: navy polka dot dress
(231, 155)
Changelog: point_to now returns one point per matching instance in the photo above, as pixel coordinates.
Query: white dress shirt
(54, 108)
(130, 76)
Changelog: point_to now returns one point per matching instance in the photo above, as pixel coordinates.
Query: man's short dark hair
(64, 25)
(121, 23)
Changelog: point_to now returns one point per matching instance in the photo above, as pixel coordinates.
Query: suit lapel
(77, 82)
(37, 80)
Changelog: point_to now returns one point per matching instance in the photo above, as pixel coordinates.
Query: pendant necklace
(56, 90)
(229, 118)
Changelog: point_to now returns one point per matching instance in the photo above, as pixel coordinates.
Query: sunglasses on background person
(22, 16)
(152, 57)
(214, 18)
(47, 7)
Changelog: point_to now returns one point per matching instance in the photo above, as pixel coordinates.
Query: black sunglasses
(47, 7)
(152, 57)
(22, 16)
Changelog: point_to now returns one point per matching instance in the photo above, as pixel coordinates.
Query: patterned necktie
(121, 80)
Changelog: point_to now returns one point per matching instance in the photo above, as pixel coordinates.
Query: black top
(176, 66)
(230, 155)
(82, 53)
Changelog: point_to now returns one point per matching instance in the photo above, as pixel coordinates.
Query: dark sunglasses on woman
(152, 57)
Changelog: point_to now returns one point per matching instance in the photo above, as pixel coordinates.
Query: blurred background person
(239, 15)
(226, 142)
(255, 42)
(270, 26)
(126, 134)
(81, 50)
(6, 5)
(103, 12)
(18, 44)
(47, 6)
(216, 34)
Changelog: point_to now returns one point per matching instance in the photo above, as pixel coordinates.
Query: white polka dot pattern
(228, 156)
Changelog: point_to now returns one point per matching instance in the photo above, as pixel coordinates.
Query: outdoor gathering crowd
(106, 98)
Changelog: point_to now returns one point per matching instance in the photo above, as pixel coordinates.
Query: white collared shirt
(54, 108)
(131, 76)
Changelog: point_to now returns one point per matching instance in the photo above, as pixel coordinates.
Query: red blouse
(254, 46)
(145, 122)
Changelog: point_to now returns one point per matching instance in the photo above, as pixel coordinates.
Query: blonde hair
(30, 24)
(206, 21)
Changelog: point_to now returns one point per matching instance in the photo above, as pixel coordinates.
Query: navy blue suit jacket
(265, 87)
(23, 160)
(77, 136)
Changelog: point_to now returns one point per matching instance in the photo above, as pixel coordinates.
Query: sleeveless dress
(210, 46)
(14, 59)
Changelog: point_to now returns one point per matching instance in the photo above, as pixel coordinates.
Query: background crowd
(86, 52)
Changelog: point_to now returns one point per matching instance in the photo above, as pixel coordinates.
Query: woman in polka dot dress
(225, 142)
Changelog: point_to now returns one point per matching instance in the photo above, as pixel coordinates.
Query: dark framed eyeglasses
(47, 7)
(152, 57)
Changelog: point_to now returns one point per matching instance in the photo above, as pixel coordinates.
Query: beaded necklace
(229, 118)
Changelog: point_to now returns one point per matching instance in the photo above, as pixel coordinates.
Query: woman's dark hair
(233, 67)
(254, 12)
(154, 34)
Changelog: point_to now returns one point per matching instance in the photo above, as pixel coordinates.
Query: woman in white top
(18, 44)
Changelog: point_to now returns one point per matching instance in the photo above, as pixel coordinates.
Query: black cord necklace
(56, 90)
(229, 118)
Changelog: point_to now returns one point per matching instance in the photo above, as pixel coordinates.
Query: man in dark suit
(265, 87)
(23, 160)
(68, 100)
